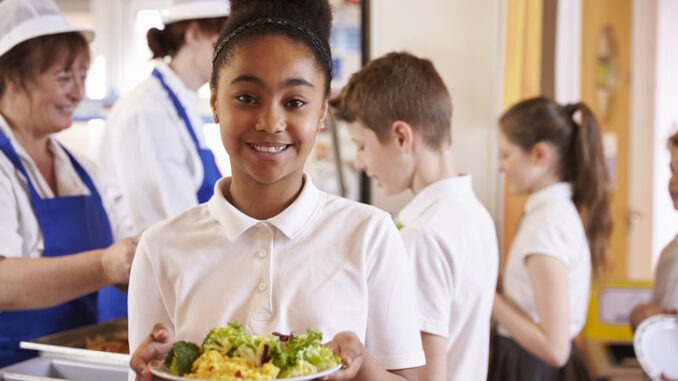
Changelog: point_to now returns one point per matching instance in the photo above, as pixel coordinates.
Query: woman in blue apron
(56, 241)
(153, 151)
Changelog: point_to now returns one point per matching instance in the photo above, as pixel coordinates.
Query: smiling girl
(269, 250)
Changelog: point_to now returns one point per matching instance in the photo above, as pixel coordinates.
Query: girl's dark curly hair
(305, 21)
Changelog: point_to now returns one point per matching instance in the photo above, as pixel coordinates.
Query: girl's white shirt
(665, 292)
(551, 226)
(325, 262)
(152, 167)
(20, 234)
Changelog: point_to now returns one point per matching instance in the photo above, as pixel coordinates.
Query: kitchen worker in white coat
(153, 150)
(56, 231)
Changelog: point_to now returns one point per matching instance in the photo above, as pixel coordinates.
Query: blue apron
(69, 225)
(210, 170)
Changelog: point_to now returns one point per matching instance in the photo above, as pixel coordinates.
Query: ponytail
(158, 43)
(590, 183)
(582, 163)
(166, 42)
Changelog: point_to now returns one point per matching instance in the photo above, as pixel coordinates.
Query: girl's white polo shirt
(325, 262)
(665, 293)
(551, 226)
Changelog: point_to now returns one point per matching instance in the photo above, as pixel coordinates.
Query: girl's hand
(347, 345)
(642, 312)
(154, 345)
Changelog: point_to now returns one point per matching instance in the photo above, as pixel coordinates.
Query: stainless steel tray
(70, 345)
(50, 369)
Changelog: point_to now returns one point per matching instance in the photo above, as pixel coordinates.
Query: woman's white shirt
(551, 226)
(152, 167)
(325, 262)
(20, 234)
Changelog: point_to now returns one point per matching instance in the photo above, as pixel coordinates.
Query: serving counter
(81, 354)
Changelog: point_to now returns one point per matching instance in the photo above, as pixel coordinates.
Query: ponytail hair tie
(570, 108)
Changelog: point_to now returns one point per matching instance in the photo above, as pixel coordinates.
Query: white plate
(159, 369)
(656, 345)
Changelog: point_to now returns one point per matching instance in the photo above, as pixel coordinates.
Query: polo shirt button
(262, 286)
(263, 229)
(261, 253)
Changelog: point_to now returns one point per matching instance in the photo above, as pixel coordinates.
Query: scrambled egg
(212, 365)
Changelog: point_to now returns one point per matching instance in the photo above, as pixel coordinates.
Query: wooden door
(605, 77)
(525, 77)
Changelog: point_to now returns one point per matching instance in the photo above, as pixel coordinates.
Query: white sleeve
(434, 281)
(151, 163)
(393, 335)
(11, 241)
(551, 239)
(146, 306)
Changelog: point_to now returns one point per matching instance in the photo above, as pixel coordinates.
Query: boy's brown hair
(398, 86)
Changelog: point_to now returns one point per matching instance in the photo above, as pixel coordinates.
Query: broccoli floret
(225, 340)
(180, 359)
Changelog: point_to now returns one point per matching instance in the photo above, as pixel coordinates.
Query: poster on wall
(331, 164)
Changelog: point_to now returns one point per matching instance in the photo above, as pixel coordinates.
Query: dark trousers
(510, 362)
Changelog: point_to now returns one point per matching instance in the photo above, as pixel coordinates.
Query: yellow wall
(521, 80)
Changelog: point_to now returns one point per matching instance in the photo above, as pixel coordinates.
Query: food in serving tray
(229, 353)
(117, 343)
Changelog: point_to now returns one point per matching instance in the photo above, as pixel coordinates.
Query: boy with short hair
(399, 112)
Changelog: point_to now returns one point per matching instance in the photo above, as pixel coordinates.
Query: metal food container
(52, 369)
(70, 345)
(63, 356)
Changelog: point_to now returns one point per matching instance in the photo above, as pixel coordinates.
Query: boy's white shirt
(451, 239)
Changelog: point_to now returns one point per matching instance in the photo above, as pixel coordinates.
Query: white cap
(21, 20)
(196, 9)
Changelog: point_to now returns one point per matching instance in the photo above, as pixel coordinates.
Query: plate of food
(229, 353)
(655, 343)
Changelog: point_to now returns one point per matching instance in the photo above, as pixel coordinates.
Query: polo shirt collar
(291, 221)
(552, 193)
(458, 186)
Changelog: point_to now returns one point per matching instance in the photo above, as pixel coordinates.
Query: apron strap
(9, 151)
(84, 176)
(178, 106)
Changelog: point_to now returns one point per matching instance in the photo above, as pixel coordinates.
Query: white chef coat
(325, 262)
(551, 226)
(452, 241)
(152, 166)
(20, 234)
(665, 293)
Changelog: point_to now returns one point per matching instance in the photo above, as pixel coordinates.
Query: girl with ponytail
(553, 154)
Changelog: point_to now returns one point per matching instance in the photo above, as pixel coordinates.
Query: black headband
(307, 33)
